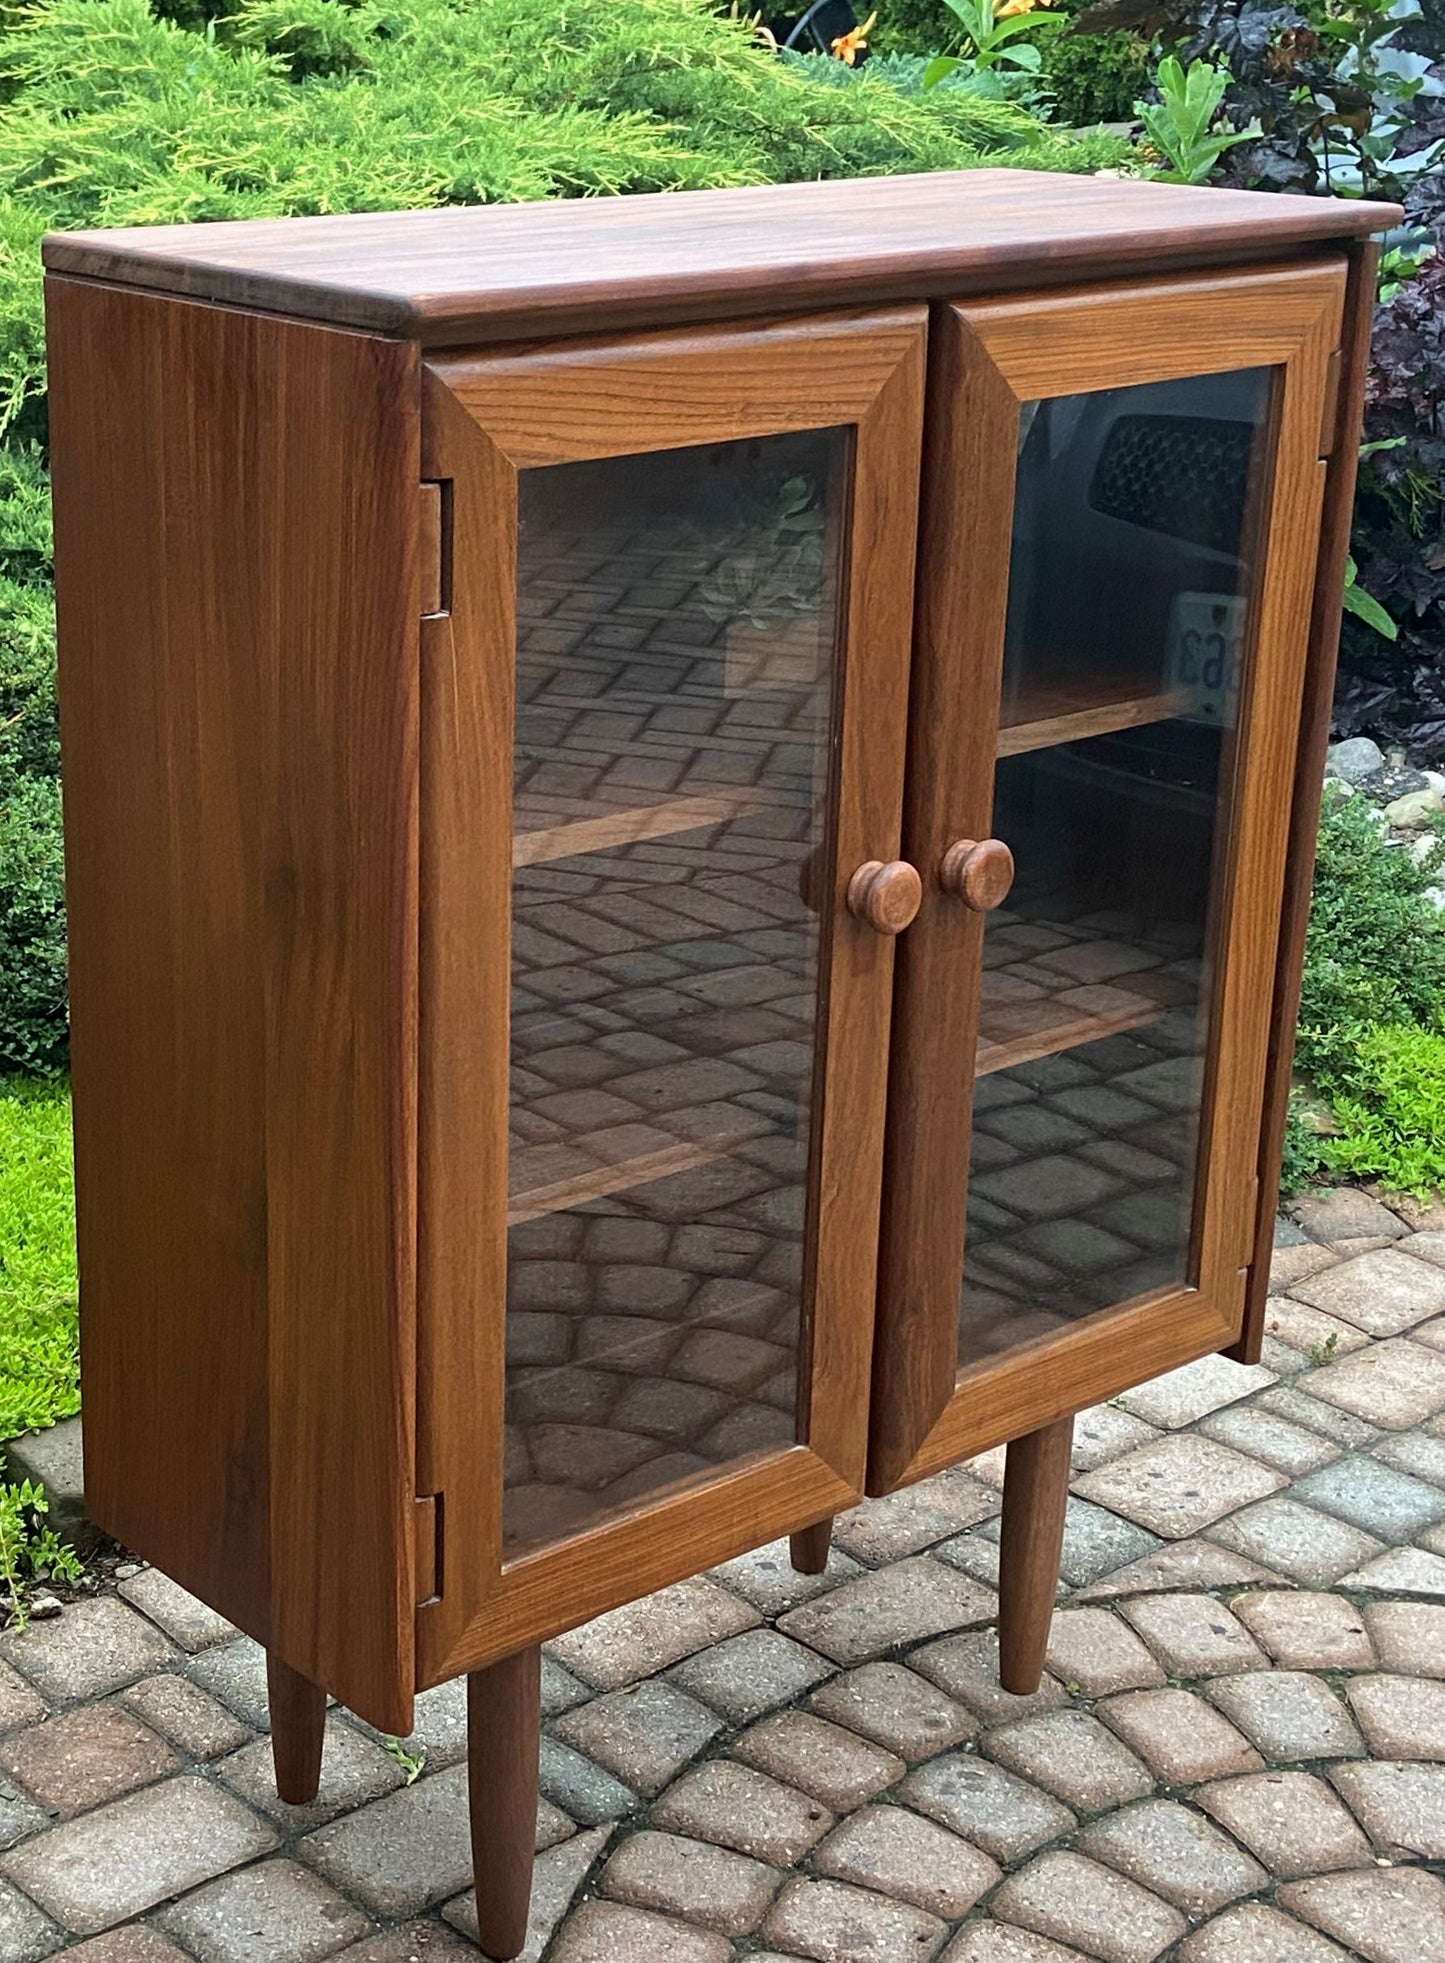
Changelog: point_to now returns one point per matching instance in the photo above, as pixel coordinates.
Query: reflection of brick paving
(1238, 1754)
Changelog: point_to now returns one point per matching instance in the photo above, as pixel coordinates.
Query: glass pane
(677, 615)
(1134, 551)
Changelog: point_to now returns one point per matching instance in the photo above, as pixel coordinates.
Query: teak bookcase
(689, 823)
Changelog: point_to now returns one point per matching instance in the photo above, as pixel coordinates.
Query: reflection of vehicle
(1131, 539)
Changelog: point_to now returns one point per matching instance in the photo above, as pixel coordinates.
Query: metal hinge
(1330, 417)
(428, 1519)
(434, 533)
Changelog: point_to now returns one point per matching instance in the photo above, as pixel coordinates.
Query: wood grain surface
(503, 272)
(236, 511)
(1339, 443)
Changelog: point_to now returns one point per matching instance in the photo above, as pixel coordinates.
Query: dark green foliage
(32, 927)
(1304, 1149)
(1096, 78)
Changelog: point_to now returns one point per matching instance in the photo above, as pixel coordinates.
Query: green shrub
(32, 927)
(29, 1550)
(1096, 78)
(39, 1369)
(1375, 951)
(1304, 1150)
(1391, 1111)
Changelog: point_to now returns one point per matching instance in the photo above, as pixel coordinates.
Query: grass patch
(39, 1357)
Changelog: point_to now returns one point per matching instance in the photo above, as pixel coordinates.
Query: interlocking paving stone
(822, 1758)
(904, 1603)
(751, 1673)
(1289, 1714)
(1289, 1262)
(677, 1876)
(1310, 1332)
(590, 1795)
(1409, 1637)
(1402, 1717)
(1077, 1901)
(643, 1637)
(1382, 1293)
(1288, 1448)
(86, 1757)
(1415, 1452)
(1256, 1933)
(1402, 1571)
(273, 1913)
(19, 1816)
(1182, 1739)
(236, 1674)
(914, 1860)
(1169, 1848)
(1193, 1635)
(1401, 1806)
(644, 1735)
(1095, 1541)
(739, 1807)
(1104, 1432)
(94, 1647)
(768, 1580)
(833, 1923)
(1000, 1813)
(1182, 1483)
(1344, 1214)
(966, 1667)
(610, 1932)
(1182, 1396)
(560, 1689)
(1307, 1631)
(439, 1734)
(401, 1854)
(1389, 1504)
(19, 1704)
(996, 1942)
(1312, 1547)
(1393, 1384)
(354, 1769)
(1072, 1756)
(136, 1944)
(896, 1708)
(417, 1942)
(1099, 1653)
(904, 1523)
(1187, 1564)
(1315, 1415)
(558, 1874)
(115, 1863)
(25, 1934)
(1390, 1916)
(186, 1714)
(184, 1619)
(1290, 1820)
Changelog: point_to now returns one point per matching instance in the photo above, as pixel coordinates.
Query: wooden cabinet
(688, 826)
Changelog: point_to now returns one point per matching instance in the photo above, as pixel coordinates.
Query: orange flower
(1006, 9)
(847, 47)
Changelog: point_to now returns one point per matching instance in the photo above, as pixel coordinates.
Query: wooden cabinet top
(503, 272)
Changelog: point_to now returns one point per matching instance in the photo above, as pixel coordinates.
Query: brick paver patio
(1238, 1755)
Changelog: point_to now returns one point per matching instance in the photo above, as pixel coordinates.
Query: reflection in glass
(1133, 563)
(677, 615)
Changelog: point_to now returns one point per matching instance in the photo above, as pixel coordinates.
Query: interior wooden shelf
(1046, 717)
(1023, 1032)
(602, 831)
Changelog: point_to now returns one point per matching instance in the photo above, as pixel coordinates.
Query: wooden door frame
(485, 417)
(988, 358)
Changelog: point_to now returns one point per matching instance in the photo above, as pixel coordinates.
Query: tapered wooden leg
(808, 1549)
(1035, 1493)
(298, 1719)
(504, 1716)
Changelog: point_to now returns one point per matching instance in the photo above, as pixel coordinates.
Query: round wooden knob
(885, 896)
(979, 873)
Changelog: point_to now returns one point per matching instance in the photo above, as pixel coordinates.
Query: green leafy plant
(994, 36)
(412, 1764)
(30, 1552)
(1323, 1353)
(39, 1364)
(1364, 606)
(1182, 125)
(1391, 1110)
(1304, 1152)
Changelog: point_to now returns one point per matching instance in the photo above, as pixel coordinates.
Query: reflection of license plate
(1205, 651)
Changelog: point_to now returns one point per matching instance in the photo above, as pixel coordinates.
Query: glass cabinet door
(663, 726)
(1115, 598)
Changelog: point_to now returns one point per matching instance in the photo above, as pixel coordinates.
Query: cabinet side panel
(1314, 736)
(234, 536)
